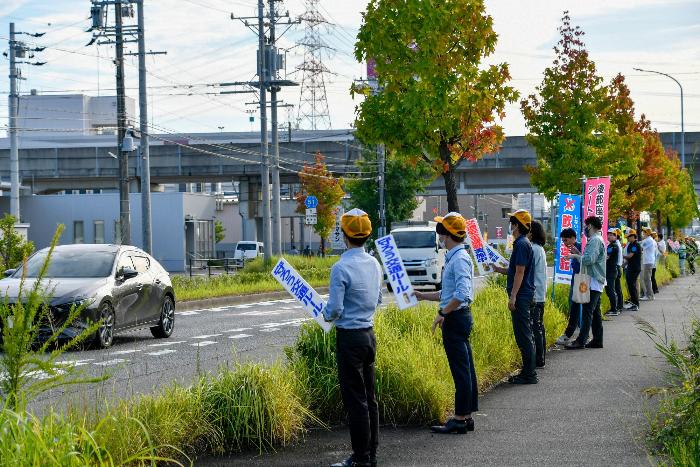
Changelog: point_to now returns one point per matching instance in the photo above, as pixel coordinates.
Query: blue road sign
(311, 202)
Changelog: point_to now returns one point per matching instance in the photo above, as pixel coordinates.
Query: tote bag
(582, 287)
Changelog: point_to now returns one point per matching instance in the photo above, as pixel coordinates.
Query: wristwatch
(444, 315)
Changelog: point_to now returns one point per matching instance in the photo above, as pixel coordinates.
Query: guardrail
(213, 266)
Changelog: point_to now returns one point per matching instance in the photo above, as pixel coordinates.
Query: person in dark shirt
(568, 238)
(612, 255)
(521, 292)
(634, 268)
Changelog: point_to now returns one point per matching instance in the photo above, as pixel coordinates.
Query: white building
(70, 114)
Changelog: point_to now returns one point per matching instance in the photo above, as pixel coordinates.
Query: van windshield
(415, 239)
(246, 246)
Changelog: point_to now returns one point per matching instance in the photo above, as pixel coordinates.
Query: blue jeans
(455, 338)
(522, 329)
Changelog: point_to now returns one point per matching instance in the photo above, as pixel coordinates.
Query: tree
(13, 247)
(578, 125)
(219, 231)
(676, 198)
(318, 181)
(436, 103)
(403, 182)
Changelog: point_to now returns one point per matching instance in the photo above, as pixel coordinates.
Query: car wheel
(166, 324)
(105, 334)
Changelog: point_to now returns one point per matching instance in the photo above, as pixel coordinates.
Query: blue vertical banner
(569, 217)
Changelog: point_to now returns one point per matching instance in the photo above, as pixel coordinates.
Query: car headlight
(431, 262)
(79, 301)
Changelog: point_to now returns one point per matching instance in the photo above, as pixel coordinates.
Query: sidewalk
(589, 408)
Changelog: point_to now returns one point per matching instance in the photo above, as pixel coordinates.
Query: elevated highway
(53, 164)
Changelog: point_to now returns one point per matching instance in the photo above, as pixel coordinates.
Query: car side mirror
(8, 272)
(127, 273)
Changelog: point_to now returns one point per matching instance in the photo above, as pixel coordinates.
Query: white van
(247, 250)
(421, 254)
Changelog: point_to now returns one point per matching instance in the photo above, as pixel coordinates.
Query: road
(202, 341)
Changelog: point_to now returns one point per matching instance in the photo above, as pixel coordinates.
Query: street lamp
(682, 117)
(221, 129)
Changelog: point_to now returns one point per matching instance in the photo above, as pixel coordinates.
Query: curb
(190, 305)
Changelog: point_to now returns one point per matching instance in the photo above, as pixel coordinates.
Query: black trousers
(654, 286)
(355, 354)
(610, 278)
(455, 338)
(631, 278)
(591, 319)
(538, 333)
(523, 335)
(618, 289)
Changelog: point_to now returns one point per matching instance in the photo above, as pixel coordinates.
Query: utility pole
(14, 145)
(124, 212)
(276, 215)
(145, 150)
(382, 208)
(17, 50)
(268, 64)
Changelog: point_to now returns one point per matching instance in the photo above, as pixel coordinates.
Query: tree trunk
(323, 247)
(658, 221)
(450, 179)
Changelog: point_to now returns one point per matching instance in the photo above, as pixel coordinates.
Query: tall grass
(256, 277)
(414, 384)
(675, 430)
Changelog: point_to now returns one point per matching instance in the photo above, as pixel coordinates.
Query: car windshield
(246, 246)
(71, 263)
(415, 239)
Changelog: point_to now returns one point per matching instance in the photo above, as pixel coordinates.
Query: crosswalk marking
(206, 336)
(187, 313)
(238, 330)
(115, 361)
(164, 344)
(124, 352)
(203, 343)
(162, 352)
(240, 336)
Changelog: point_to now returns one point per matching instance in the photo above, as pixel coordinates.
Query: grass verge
(254, 278)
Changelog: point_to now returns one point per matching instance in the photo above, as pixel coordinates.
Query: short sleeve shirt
(635, 262)
(522, 256)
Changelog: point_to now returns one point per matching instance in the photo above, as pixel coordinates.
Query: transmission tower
(313, 111)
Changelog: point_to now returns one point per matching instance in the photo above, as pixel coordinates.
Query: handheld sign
(396, 272)
(569, 217)
(302, 291)
(495, 259)
(478, 246)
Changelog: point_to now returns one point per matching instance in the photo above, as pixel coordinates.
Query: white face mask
(441, 241)
(511, 229)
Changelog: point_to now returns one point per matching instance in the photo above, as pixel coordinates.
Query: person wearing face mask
(611, 272)
(593, 259)
(633, 257)
(521, 291)
(354, 295)
(618, 279)
(455, 319)
(648, 262)
(568, 238)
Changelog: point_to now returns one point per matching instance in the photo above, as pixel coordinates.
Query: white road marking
(269, 329)
(240, 336)
(115, 361)
(242, 306)
(161, 352)
(202, 344)
(124, 352)
(76, 362)
(259, 313)
(206, 336)
(163, 344)
(187, 313)
(238, 330)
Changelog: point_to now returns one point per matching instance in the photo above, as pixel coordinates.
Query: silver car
(122, 285)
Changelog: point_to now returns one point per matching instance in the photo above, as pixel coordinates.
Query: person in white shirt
(648, 261)
(618, 280)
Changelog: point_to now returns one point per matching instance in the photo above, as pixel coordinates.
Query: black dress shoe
(470, 424)
(452, 426)
(349, 462)
(522, 379)
(540, 364)
(594, 345)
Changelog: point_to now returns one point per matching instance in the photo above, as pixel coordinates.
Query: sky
(205, 46)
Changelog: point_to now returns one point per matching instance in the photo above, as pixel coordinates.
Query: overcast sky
(205, 46)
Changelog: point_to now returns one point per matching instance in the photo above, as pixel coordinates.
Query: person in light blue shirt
(455, 319)
(355, 293)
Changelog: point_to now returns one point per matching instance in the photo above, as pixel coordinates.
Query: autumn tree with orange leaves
(436, 105)
(318, 181)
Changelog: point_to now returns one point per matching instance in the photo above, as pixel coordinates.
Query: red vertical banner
(596, 194)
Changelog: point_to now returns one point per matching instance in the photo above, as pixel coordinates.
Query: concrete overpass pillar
(246, 210)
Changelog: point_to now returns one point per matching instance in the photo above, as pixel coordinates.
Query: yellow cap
(647, 230)
(356, 224)
(612, 230)
(618, 232)
(454, 223)
(523, 217)
(631, 232)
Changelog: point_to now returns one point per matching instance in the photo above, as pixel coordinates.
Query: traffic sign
(311, 217)
(311, 202)
(338, 243)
